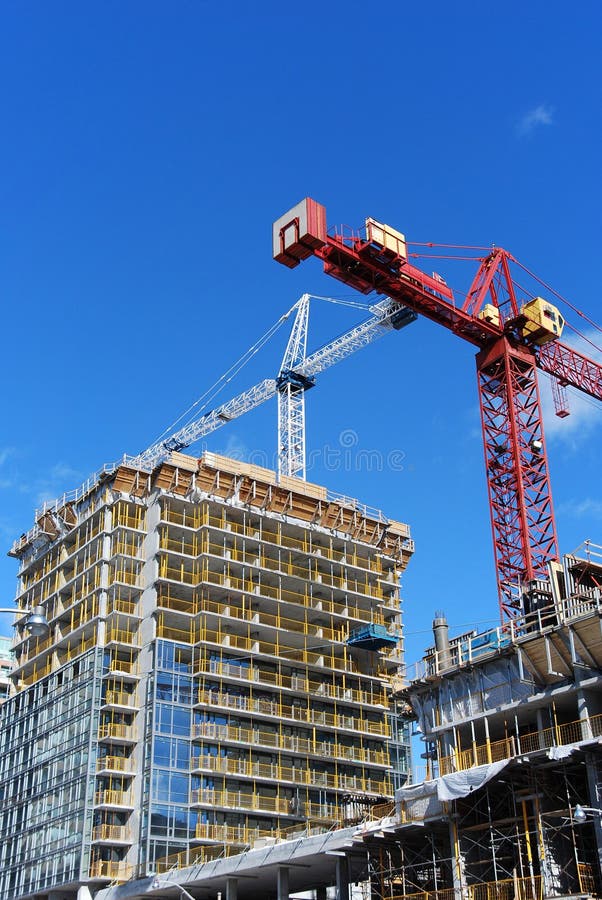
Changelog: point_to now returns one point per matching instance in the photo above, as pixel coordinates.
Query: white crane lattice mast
(291, 385)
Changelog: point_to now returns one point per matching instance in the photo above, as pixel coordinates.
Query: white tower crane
(291, 386)
(297, 374)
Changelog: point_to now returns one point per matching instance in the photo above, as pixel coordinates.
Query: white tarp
(460, 784)
(450, 787)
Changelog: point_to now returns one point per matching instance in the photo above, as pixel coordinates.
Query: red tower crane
(514, 336)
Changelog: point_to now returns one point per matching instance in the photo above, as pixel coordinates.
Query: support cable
(559, 296)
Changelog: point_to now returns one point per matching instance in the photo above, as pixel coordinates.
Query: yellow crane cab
(542, 321)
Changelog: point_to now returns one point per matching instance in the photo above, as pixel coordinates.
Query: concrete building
(215, 677)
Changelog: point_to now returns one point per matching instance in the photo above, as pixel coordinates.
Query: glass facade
(47, 759)
(170, 823)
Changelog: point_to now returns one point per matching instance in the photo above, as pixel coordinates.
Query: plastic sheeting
(453, 786)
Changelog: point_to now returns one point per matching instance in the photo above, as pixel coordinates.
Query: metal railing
(530, 888)
(288, 742)
(378, 729)
(468, 648)
(516, 745)
(274, 772)
(118, 833)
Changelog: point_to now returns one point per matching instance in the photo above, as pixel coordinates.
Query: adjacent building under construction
(511, 721)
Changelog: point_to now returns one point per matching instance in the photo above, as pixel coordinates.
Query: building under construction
(511, 721)
(215, 675)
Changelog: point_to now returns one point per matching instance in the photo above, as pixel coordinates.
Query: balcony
(119, 700)
(282, 806)
(111, 799)
(108, 870)
(123, 669)
(122, 636)
(276, 710)
(301, 775)
(495, 751)
(293, 743)
(111, 834)
(237, 800)
(116, 733)
(107, 765)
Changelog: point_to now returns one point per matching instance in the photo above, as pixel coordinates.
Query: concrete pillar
(458, 873)
(583, 709)
(342, 878)
(594, 786)
(83, 893)
(231, 888)
(282, 883)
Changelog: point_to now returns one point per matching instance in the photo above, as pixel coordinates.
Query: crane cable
(584, 337)
(240, 363)
(230, 373)
(561, 298)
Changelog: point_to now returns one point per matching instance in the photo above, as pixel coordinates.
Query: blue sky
(147, 148)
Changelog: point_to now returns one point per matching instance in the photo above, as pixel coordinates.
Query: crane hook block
(299, 232)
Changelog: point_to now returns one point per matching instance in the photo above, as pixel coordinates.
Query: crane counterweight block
(299, 232)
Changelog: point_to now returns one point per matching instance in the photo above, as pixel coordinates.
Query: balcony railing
(290, 742)
(115, 764)
(275, 708)
(530, 888)
(274, 772)
(119, 834)
(117, 731)
(280, 805)
(120, 698)
(517, 745)
(113, 798)
(113, 871)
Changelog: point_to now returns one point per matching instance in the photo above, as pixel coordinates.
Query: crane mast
(291, 385)
(513, 339)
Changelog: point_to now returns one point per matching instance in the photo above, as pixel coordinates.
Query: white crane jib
(297, 374)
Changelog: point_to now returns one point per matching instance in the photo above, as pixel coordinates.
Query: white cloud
(235, 448)
(45, 486)
(580, 509)
(5, 453)
(534, 118)
(60, 478)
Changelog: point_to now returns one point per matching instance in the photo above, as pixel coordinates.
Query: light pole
(582, 813)
(35, 622)
(155, 883)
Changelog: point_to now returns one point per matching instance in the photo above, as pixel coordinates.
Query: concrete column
(282, 883)
(458, 873)
(582, 706)
(594, 786)
(231, 888)
(342, 878)
(83, 893)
